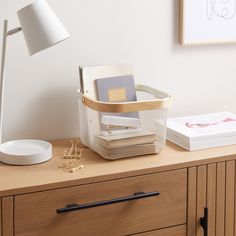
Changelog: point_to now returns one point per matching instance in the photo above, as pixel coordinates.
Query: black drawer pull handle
(76, 207)
(204, 221)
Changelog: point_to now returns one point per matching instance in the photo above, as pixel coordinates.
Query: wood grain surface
(26, 179)
(220, 199)
(211, 199)
(172, 231)
(7, 216)
(192, 202)
(35, 214)
(0, 217)
(201, 196)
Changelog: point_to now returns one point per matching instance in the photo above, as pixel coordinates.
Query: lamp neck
(4, 44)
(6, 33)
(14, 31)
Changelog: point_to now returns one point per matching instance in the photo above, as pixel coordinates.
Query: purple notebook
(117, 89)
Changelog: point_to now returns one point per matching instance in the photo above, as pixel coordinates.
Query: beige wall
(41, 90)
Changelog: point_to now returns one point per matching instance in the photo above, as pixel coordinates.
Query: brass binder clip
(75, 152)
(73, 156)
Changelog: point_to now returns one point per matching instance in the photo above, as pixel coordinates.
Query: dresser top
(25, 179)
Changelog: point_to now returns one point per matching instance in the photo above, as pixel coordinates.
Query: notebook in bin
(118, 89)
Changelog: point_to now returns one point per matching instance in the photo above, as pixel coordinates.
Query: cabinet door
(211, 200)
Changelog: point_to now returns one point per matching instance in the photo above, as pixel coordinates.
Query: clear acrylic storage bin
(119, 130)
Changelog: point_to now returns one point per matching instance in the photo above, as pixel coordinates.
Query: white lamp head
(41, 27)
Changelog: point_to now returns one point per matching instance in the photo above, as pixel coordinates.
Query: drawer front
(172, 231)
(35, 214)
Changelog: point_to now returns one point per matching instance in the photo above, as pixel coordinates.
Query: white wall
(41, 90)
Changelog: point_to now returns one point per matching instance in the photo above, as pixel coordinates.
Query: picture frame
(207, 22)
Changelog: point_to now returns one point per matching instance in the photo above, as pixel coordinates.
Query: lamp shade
(41, 27)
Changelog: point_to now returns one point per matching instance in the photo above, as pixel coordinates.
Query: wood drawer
(35, 214)
(172, 231)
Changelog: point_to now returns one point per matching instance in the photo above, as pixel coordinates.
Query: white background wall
(41, 90)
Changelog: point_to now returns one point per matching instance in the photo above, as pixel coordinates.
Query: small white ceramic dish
(25, 152)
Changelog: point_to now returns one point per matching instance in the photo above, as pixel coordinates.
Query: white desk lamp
(42, 29)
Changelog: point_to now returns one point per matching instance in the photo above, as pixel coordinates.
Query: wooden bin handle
(163, 101)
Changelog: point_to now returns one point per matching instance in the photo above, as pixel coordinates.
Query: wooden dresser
(174, 193)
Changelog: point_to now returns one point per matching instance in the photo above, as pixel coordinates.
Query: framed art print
(207, 21)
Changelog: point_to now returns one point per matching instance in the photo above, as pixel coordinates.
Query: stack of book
(126, 145)
(203, 131)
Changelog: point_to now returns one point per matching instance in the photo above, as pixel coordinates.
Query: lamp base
(25, 152)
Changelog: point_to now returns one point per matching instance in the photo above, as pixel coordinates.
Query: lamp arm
(2, 82)
(14, 31)
(6, 33)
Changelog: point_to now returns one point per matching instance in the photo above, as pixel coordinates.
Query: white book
(120, 121)
(119, 131)
(203, 131)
